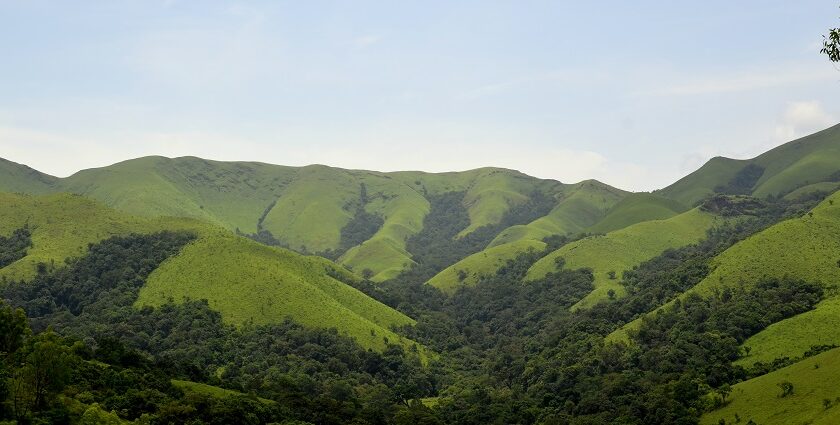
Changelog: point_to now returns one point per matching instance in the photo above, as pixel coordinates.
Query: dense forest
(76, 350)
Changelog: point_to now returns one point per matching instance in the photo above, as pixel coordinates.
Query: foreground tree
(831, 45)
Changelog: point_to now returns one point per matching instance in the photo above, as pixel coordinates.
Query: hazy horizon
(634, 95)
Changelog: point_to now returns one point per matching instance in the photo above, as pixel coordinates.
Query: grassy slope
(814, 379)
(806, 248)
(217, 392)
(636, 208)
(485, 262)
(580, 205)
(229, 194)
(250, 282)
(241, 278)
(808, 160)
(622, 249)
(306, 207)
(19, 178)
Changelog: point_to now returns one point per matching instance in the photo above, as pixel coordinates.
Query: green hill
(814, 381)
(244, 280)
(811, 159)
(578, 207)
(305, 208)
(19, 178)
(617, 251)
(636, 208)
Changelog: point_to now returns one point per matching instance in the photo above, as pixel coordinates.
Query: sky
(635, 94)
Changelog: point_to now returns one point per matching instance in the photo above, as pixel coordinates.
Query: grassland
(204, 389)
(579, 207)
(636, 208)
(244, 280)
(623, 249)
(483, 263)
(814, 380)
(252, 283)
(305, 208)
(19, 178)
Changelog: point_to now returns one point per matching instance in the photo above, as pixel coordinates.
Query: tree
(44, 373)
(611, 274)
(724, 391)
(787, 388)
(831, 45)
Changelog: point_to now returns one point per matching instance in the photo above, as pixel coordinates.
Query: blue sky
(635, 94)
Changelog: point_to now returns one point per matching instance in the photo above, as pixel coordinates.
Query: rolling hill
(245, 281)
(809, 160)
(611, 254)
(308, 208)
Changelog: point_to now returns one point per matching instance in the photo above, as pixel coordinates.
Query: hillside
(814, 381)
(611, 254)
(18, 178)
(811, 159)
(804, 248)
(310, 209)
(244, 280)
(636, 208)
(578, 207)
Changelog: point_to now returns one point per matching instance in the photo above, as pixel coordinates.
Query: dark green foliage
(437, 246)
(743, 181)
(14, 247)
(314, 375)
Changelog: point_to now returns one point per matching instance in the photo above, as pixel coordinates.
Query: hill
(579, 206)
(611, 254)
(804, 248)
(809, 160)
(242, 279)
(362, 218)
(814, 382)
(636, 208)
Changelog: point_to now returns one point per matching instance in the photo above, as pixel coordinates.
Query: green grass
(19, 178)
(623, 249)
(806, 248)
(304, 207)
(243, 280)
(252, 283)
(814, 379)
(811, 159)
(580, 206)
(826, 187)
(216, 392)
(483, 263)
(636, 208)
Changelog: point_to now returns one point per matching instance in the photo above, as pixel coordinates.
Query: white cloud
(365, 40)
(742, 81)
(802, 118)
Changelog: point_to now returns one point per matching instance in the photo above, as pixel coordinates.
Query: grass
(304, 207)
(636, 208)
(482, 263)
(806, 248)
(243, 280)
(216, 392)
(580, 206)
(19, 178)
(814, 380)
(252, 283)
(623, 249)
